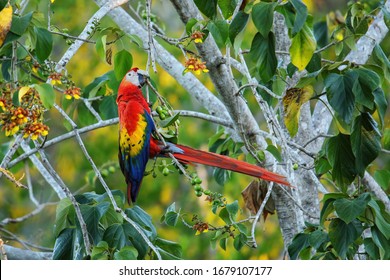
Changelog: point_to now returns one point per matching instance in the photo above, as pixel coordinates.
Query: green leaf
(221, 175)
(171, 218)
(237, 25)
(381, 57)
(232, 209)
(382, 218)
(136, 239)
(263, 54)
(100, 251)
(328, 206)
(371, 249)
(47, 94)
(322, 166)
(190, 24)
(340, 93)
(169, 121)
(92, 215)
(317, 238)
(101, 47)
(302, 48)
(108, 108)
(381, 104)
(126, 253)
(139, 216)
(341, 158)
(133, 38)
(44, 43)
(275, 152)
(381, 241)
(222, 243)
(3, 3)
(213, 139)
(84, 115)
(263, 17)
(288, 11)
(65, 216)
(207, 7)
(299, 242)
(342, 235)
(116, 236)
(349, 209)
(320, 30)
(169, 250)
(220, 31)
(225, 216)
(227, 7)
(300, 17)
(383, 178)
(172, 208)
(239, 241)
(367, 82)
(123, 61)
(315, 64)
(96, 87)
(18, 27)
(365, 141)
(63, 247)
(111, 216)
(386, 139)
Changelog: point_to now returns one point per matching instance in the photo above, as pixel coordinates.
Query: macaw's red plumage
(137, 145)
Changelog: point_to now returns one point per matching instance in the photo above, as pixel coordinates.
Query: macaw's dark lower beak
(142, 77)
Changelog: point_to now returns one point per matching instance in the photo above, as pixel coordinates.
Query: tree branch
(373, 186)
(88, 29)
(20, 254)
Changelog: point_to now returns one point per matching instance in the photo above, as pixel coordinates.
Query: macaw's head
(136, 77)
(131, 83)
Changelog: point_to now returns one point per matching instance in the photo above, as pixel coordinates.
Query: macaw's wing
(135, 129)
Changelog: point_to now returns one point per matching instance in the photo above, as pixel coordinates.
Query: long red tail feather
(191, 155)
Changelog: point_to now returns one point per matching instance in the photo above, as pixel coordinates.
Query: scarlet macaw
(137, 144)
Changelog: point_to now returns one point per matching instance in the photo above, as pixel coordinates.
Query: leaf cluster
(349, 225)
(111, 235)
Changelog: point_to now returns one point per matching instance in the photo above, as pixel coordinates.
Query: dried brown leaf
(254, 195)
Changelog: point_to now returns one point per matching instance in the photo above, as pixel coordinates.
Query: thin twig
(12, 178)
(13, 236)
(11, 151)
(151, 50)
(29, 185)
(44, 172)
(206, 117)
(27, 216)
(87, 104)
(315, 138)
(258, 214)
(64, 137)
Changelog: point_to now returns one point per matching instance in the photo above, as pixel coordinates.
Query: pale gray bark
(13, 253)
(304, 178)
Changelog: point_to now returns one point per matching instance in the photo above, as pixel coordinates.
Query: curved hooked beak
(142, 77)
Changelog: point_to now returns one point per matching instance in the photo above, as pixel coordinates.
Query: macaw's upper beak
(142, 77)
